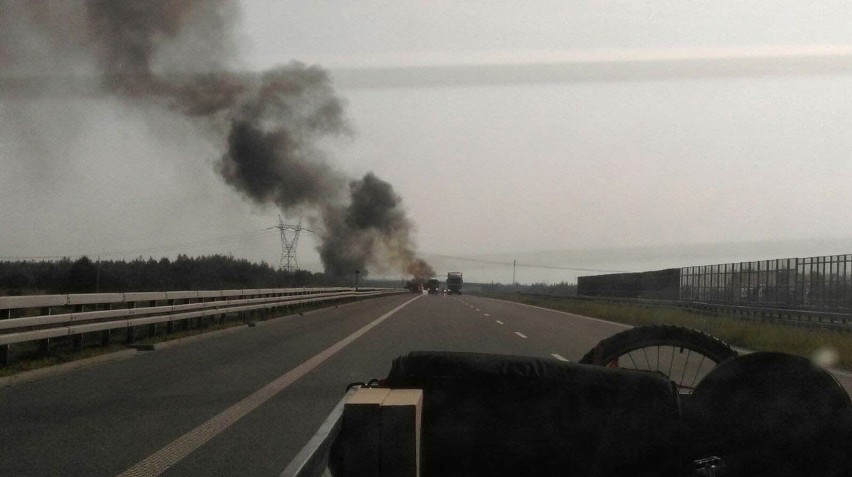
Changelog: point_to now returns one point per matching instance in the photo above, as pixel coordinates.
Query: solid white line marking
(171, 454)
(499, 322)
(622, 325)
(560, 358)
(521, 334)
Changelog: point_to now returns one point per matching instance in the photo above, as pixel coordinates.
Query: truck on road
(454, 283)
(434, 286)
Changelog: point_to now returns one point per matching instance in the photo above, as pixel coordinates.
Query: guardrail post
(77, 343)
(131, 335)
(44, 347)
(170, 325)
(77, 340)
(105, 338)
(4, 354)
(153, 328)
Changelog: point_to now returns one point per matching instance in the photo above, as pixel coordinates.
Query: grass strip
(740, 332)
(54, 359)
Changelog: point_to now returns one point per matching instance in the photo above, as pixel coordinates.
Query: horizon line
(577, 66)
(596, 70)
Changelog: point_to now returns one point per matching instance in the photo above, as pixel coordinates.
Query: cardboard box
(402, 412)
(380, 434)
(361, 433)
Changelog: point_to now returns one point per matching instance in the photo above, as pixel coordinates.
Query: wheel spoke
(685, 364)
(698, 370)
(647, 361)
(631, 360)
(671, 363)
(618, 351)
(657, 363)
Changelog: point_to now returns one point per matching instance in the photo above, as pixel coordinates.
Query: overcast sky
(488, 169)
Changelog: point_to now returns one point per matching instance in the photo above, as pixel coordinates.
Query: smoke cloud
(175, 54)
(372, 223)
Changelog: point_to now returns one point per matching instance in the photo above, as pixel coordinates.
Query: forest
(214, 272)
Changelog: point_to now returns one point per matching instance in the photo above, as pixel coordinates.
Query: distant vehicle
(434, 286)
(414, 286)
(454, 283)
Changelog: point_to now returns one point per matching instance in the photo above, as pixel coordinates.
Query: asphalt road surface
(244, 403)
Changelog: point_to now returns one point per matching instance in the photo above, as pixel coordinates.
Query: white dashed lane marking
(521, 335)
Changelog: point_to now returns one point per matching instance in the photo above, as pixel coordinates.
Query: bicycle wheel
(684, 355)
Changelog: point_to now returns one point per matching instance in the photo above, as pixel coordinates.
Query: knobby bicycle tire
(608, 351)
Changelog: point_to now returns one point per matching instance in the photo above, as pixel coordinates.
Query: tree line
(557, 289)
(214, 272)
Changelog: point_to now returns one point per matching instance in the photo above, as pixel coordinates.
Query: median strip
(160, 461)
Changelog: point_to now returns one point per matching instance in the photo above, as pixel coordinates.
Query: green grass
(179, 334)
(743, 333)
(30, 364)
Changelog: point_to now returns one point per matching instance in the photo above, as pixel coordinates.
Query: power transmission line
(525, 265)
(288, 244)
(213, 241)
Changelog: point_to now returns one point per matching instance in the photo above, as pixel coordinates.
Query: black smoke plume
(271, 156)
(175, 54)
(373, 223)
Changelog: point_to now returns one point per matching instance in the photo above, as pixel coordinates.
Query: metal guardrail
(823, 282)
(313, 459)
(809, 318)
(811, 283)
(44, 317)
(797, 317)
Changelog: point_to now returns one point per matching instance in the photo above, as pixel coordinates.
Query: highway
(244, 402)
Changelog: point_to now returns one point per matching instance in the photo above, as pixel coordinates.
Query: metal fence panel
(823, 283)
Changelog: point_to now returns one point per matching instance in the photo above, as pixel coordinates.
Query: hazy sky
(499, 168)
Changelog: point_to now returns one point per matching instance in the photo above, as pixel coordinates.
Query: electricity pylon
(288, 245)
